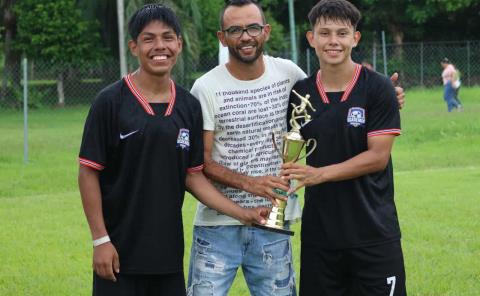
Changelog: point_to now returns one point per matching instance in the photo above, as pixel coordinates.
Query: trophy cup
(292, 146)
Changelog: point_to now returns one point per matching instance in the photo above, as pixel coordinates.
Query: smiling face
(333, 41)
(245, 49)
(157, 48)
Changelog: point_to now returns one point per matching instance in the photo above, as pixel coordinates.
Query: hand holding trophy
(292, 146)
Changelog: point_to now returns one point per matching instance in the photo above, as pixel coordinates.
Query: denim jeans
(449, 96)
(218, 251)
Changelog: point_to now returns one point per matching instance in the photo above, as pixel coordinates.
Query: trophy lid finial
(300, 111)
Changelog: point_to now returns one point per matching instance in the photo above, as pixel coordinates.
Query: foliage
(55, 30)
(423, 20)
(209, 11)
(277, 43)
(35, 98)
(383, 15)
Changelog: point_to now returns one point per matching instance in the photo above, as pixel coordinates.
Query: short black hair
(240, 3)
(445, 61)
(337, 10)
(149, 13)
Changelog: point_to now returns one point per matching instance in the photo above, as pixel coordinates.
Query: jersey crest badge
(183, 139)
(356, 116)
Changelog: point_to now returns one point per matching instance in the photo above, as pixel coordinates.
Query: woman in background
(449, 76)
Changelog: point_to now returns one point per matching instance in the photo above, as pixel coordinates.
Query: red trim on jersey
(92, 164)
(140, 98)
(353, 82)
(144, 102)
(348, 89)
(321, 90)
(198, 168)
(173, 96)
(393, 131)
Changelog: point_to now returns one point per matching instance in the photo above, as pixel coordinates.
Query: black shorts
(140, 285)
(369, 271)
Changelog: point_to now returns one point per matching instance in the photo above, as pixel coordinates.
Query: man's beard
(246, 59)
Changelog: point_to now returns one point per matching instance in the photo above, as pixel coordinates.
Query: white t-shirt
(243, 114)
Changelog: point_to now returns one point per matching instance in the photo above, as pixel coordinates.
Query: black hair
(240, 3)
(149, 13)
(445, 61)
(337, 10)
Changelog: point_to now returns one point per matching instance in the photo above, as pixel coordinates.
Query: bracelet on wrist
(100, 241)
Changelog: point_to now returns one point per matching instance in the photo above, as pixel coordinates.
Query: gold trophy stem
(276, 217)
(293, 144)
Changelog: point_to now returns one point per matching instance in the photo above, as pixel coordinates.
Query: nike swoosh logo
(127, 135)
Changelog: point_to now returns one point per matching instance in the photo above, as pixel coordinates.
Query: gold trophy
(292, 146)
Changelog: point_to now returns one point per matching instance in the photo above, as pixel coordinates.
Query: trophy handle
(275, 145)
(311, 150)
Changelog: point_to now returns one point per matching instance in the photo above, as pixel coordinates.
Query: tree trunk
(60, 90)
(397, 39)
(12, 58)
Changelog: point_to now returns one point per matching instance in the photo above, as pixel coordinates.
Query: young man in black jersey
(141, 149)
(350, 231)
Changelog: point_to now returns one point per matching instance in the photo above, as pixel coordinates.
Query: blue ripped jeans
(218, 251)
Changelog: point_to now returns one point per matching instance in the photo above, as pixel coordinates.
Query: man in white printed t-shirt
(243, 101)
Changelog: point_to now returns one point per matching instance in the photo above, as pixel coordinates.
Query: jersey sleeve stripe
(195, 169)
(92, 164)
(394, 131)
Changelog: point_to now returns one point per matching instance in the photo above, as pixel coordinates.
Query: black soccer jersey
(360, 211)
(143, 152)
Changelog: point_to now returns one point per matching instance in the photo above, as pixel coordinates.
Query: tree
(55, 31)
(209, 11)
(105, 13)
(412, 17)
(12, 56)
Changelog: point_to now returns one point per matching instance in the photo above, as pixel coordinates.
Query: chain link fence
(52, 85)
(419, 63)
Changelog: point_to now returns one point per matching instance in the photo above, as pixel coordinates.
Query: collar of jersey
(144, 102)
(348, 90)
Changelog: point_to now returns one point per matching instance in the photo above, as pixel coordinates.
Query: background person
(448, 78)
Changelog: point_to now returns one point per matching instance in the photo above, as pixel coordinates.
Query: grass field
(45, 246)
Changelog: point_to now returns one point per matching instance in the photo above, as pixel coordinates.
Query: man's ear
(266, 31)
(132, 45)
(222, 38)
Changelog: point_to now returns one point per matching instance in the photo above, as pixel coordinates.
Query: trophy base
(274, 229)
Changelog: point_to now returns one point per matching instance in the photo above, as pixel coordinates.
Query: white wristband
(100, 241)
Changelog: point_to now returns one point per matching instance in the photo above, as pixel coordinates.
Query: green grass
(45, 246)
